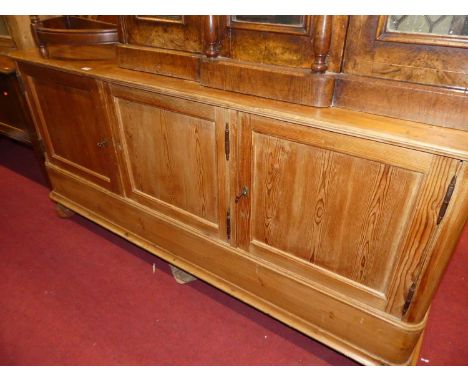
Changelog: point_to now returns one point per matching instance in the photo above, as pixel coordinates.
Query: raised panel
(66, 128)
(171, 157)
(337, 211)
(171, 154)
(72, 118)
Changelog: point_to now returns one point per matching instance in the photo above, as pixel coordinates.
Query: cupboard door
(70, 114)
(174, 157)
(13, 121)
(353, 215)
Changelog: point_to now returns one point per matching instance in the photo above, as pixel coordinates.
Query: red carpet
(72, 293)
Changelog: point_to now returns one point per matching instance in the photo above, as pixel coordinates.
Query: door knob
(244, 192)
(102, 143)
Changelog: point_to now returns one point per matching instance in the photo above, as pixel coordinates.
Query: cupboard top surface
(423, 137)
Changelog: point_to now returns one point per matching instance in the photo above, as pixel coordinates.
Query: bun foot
(180, 276)
(63, 211)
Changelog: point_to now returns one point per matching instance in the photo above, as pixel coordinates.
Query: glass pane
(3, 27)
(278, 20)
(434, 24)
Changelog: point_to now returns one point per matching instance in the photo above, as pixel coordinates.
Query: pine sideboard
(337, 222)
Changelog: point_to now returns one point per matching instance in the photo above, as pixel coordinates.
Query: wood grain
(418, 238)
(422, 81)
(186, 36)
(413, 102)
(444, 246)
(154, 60)
(418, 63)
(171, 156)
(81, 143)
(285, 84)
(342, 213)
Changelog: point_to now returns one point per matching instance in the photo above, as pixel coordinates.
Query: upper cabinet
(408, 67)
(309, 42)
(420, 49)
(288, 58)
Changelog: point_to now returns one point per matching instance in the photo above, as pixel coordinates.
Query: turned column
(36, 23)
(322, 42)
(211, 36)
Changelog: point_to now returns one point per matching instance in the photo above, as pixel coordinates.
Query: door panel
(72, 118)
(171, 151)
(334, 210)
(340, 212)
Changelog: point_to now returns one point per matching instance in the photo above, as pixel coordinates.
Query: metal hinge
(448, 196)
(228, 224)
(227, 143)
(409, 298)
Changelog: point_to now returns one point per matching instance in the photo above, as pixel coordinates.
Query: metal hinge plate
(228, 224)
(227, 143)
(448, 196)
(409, 298)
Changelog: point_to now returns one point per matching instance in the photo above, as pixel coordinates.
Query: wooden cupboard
(337, 222)
(340, 210)
(14, 118)
(14, 121)
(173, 154)
(76, 132)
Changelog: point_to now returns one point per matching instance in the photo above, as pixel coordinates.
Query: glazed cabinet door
(71, 117)
(351, 215)
(174, 157)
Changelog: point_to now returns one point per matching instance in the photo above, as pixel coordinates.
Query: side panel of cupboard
(71, 116)
(174, 157)
(353, 215)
